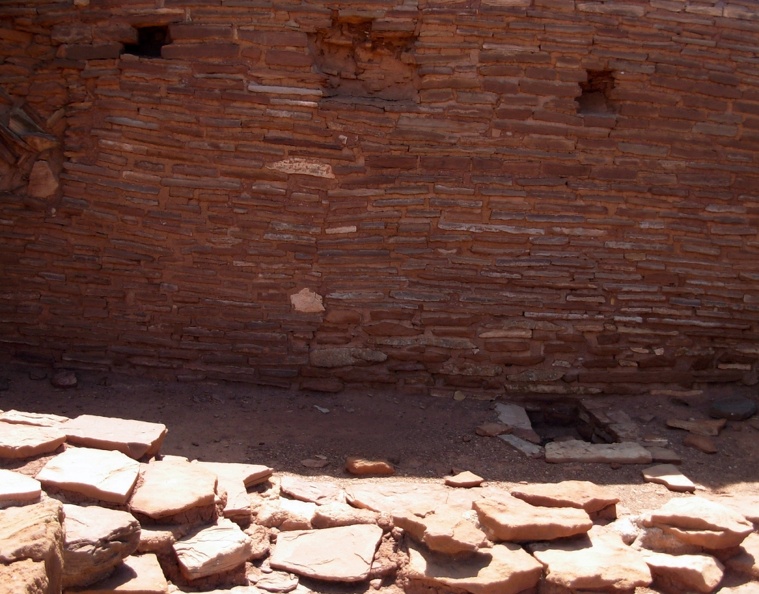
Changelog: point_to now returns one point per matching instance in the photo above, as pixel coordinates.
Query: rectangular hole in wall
(150, 40)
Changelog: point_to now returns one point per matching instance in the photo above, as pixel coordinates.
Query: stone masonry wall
(546, 196)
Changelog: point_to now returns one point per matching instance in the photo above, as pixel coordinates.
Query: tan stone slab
(319, 492)
(342, 554)
(669, 476)
(25, 441)
(212, 550)
(171, 487)
(24, 576)
(464, 480)
(30, 418)
(511, 519)
(580, 494)
(582, 451)
(18, 489)
(599, 561)
(100, 474)
(233, 479)
(249, 474)
(136, 575)
(392, 497)
(746, 561)
(503, 569)
(685, 573)
(708, 427)
(136, 439)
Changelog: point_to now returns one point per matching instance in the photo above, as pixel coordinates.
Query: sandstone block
(578, 494)
(18, 489)
(582, 451)
(136, 439)
(685, 573)
(25, 441)
(136, 575)
(212, 550)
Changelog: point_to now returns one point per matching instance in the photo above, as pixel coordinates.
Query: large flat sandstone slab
(342, 554)
(136, 575)
(611, 453)
(99, 474)
(212, 550)
(24, 441)
(18, 489)
(136, 439)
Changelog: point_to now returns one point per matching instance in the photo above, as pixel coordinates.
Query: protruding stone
(336, 514)
(233, 478)
(173, 487)
(212, 550)
(31, 548)
(503, 569)
(18, 489)
(97, 474)
(669, 476)
(342, 554)
(582, 451)
(42, 181)
(307, 301)
(64, 379)
(708, 427)
(97, 540)
(345, 356)
(286, 514)
(578, 494)
(362, 467)
(685, 573)
(448, 532)
(465, 480)
(599, 561)
(136, 575)
(25, 441)
(700, 442)
(492, 429)
(511, 519)
(698, 521)
(136, 439)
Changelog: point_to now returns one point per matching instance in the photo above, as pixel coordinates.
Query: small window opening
(150, 40)
(595, 96)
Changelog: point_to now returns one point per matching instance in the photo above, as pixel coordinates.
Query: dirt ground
(426, 438)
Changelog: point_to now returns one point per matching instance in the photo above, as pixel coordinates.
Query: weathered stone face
(477, 196)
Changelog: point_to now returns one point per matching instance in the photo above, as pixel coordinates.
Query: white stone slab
(25, 441)
(100, 474)
(18, 489)
(136, 439)
(30, 418)
(581, 451)
(136, 575)
(212, 550)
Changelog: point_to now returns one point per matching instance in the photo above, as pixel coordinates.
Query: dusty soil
(425, 437)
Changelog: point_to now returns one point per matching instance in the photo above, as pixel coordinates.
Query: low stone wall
(519, 195)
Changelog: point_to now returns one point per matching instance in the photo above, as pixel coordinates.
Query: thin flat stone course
(99, 474)
(18, 489)
(582, 451)
(669, 476)
(579, 494)
(31, 418)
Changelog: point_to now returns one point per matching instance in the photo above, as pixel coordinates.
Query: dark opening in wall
(150, 40)
(596, 93)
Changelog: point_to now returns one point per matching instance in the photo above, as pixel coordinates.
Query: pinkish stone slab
(30, 418)
(18, 489)
(25, 441)
(171, 487)
(136, 575)
(136, 439)
(233, 478)
(99, 474)
(212, 550)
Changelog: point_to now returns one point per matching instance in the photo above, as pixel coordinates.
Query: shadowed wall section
(524, 195)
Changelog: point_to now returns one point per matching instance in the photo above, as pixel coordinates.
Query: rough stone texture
(342, 554)
(319, 492)
(25, 441)
(747, 559)
(685, 573)
(42, 181)
(306, 301)
(582, 451)
(31, 418)
(698, 521)
(362, 466)
(173, 487)
(709, 427)
(97, 474)
(136, 575)
(331, 515)
(511, 519)
(502, 569)
(18, 489)
(234, 478)
(734, 408)
(286, 514)
(212, 550)
(599, 561)
(97, 540)
(419, 169)
(136, 439)
(31, 548)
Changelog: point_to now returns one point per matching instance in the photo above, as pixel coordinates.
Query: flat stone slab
(464, 480)
(99, 474)
(670, 476)
(581, 451)
(97, 540)
(18, 489)
(579, 494)
(599, 561)
(331, 515)
(136, 575)
(527, 448)
(392, 497)
(502, 569)
(24, 441)
(212, 550)
(685, 573)
(733, 408)
(698, 521)
(136, 439)
(30, 418)
(319, 492)
(171, 487)
(511, 519)
(234, 478)
(249, 474)
(707, 427)
(342, 554)
(366, 467)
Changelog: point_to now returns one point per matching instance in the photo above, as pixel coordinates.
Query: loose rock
(64, 379)
(362, 467)
(136, 439)
(734, 408)
(700, 442)
(212, 550)
(669, 476)
(582, 451)
(685, 573)
(464, 480)
(706, 427)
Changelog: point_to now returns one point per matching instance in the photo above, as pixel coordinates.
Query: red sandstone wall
(433, 171)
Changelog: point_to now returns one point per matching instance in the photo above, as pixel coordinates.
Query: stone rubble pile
(107, 514)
